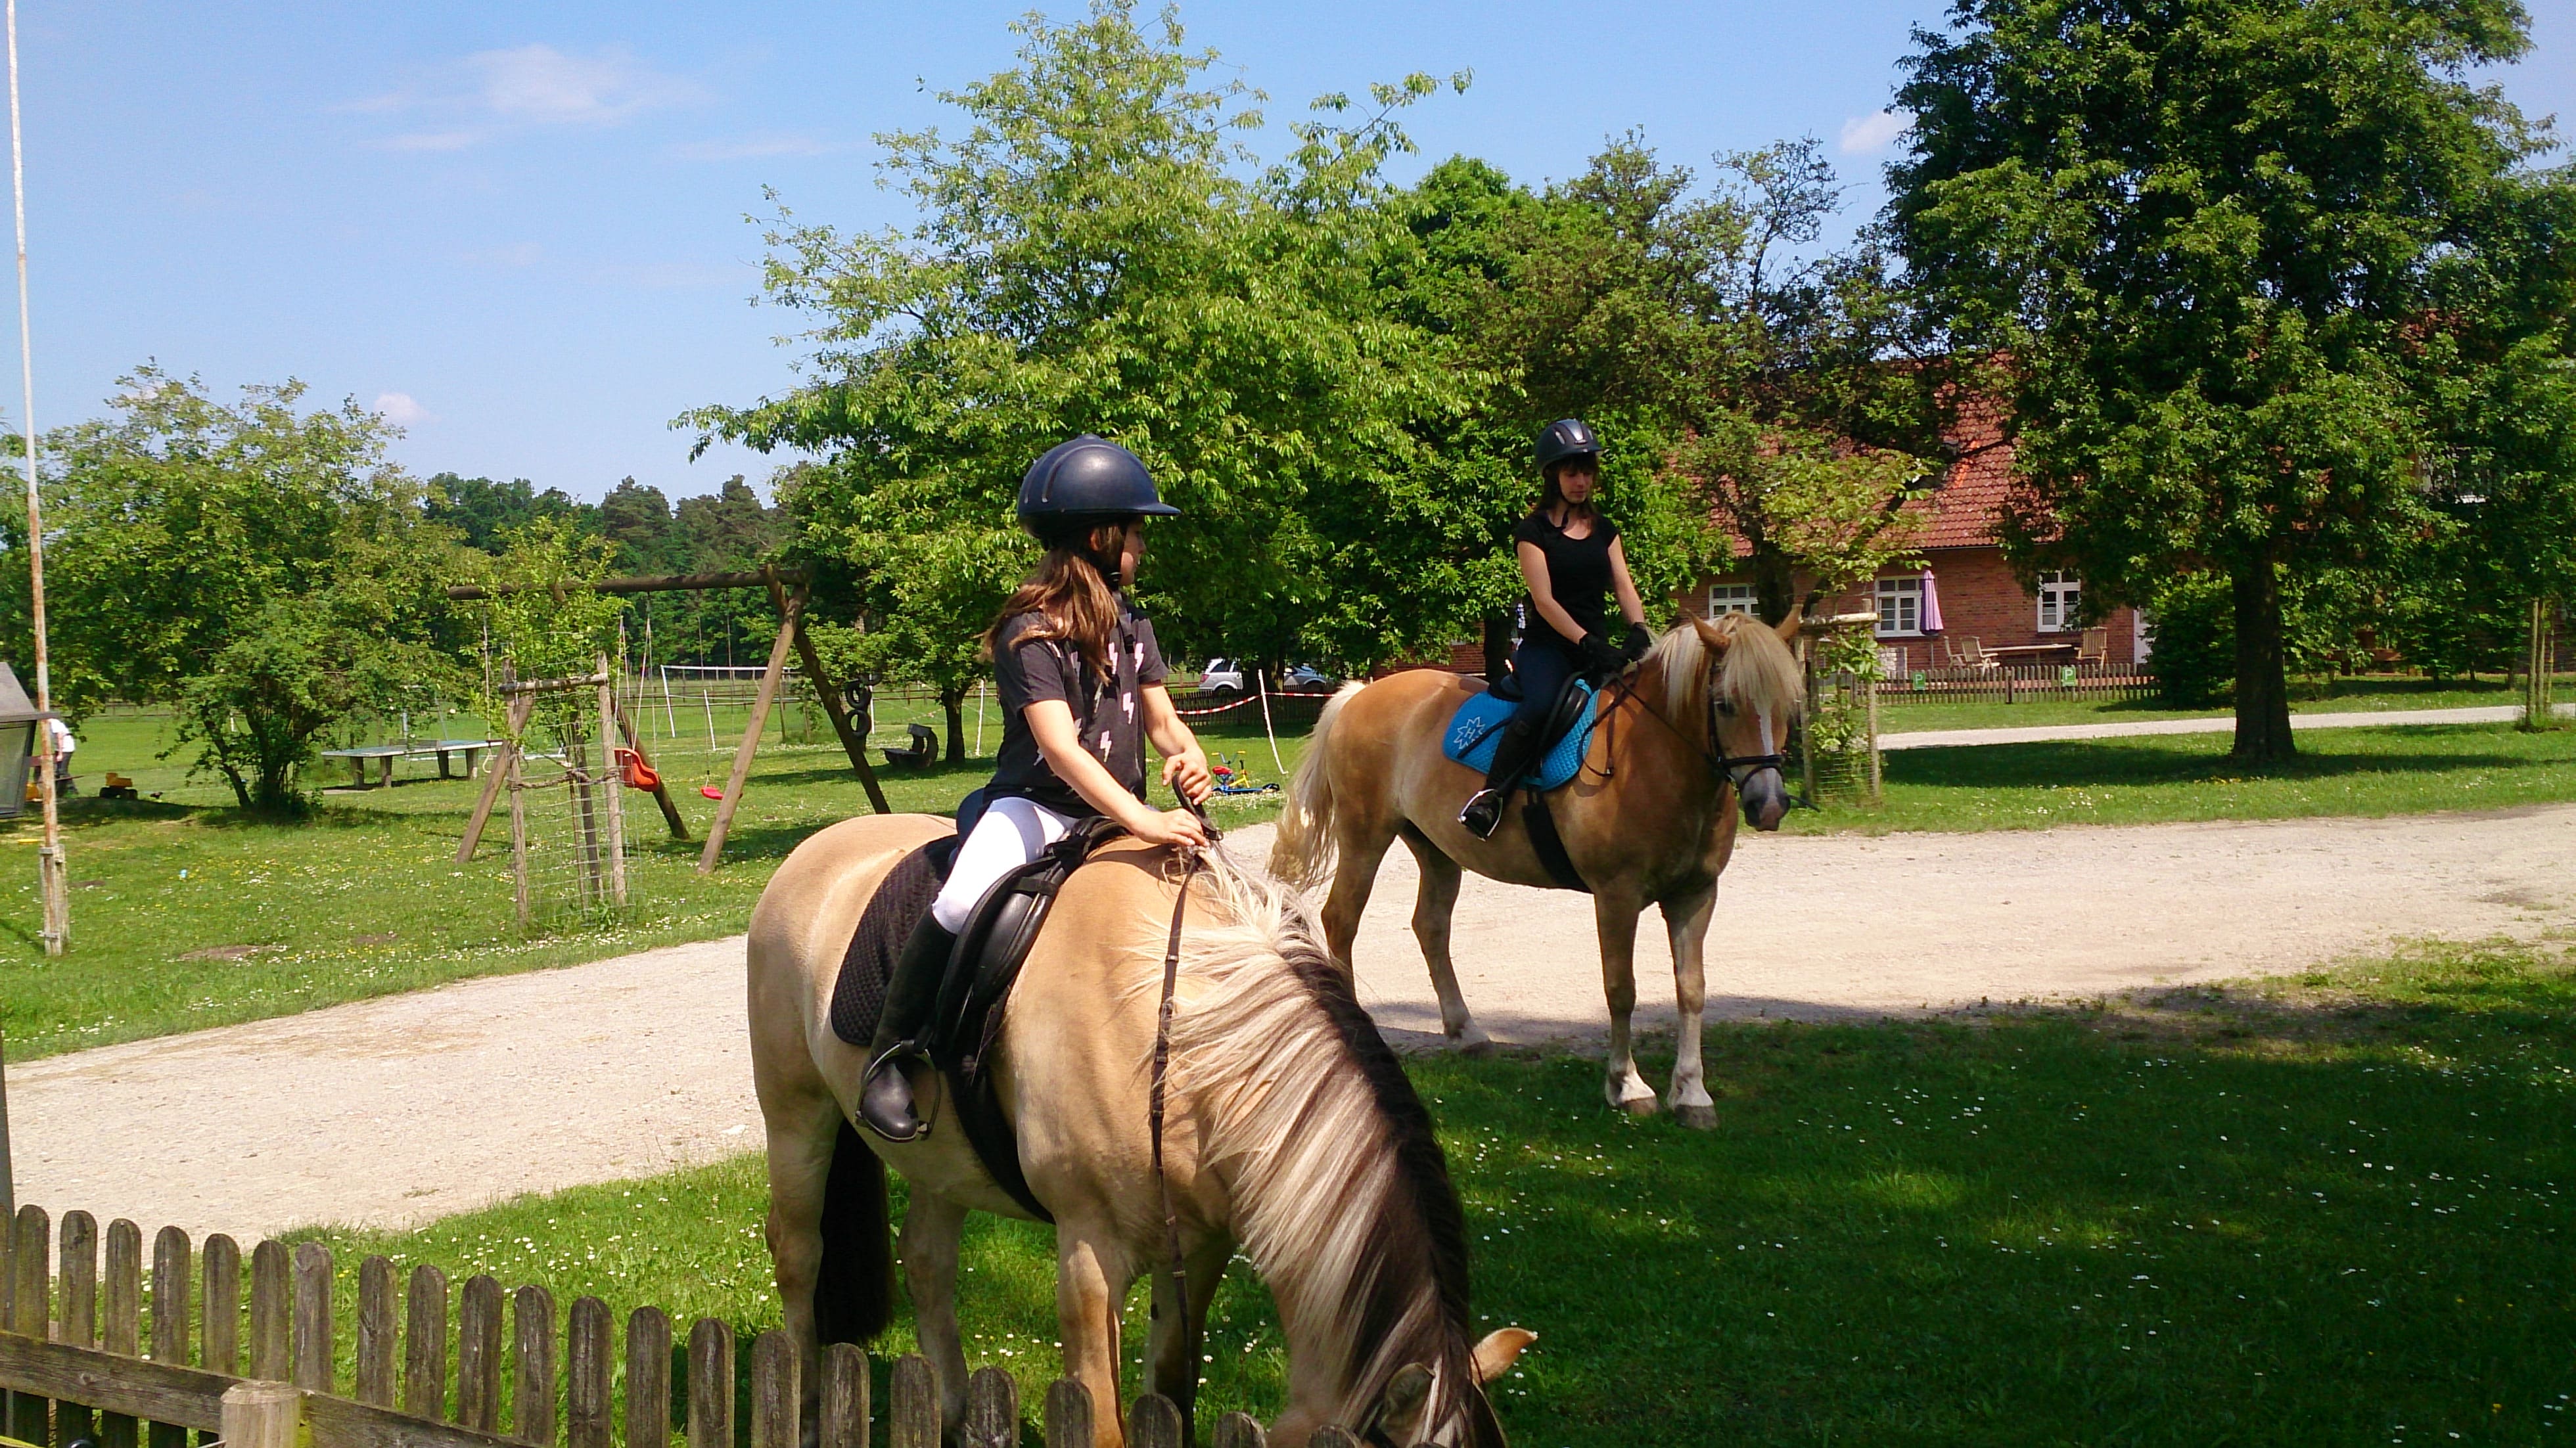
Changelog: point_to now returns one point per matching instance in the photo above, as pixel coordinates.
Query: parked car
(1307, 676)
(1221, 676)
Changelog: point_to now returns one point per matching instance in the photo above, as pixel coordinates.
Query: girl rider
(1570, 557)
(1081, 686)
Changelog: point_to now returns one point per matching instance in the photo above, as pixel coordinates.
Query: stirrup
(1483, 812)
(881, 1110)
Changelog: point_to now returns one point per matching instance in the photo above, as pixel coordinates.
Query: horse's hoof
(1697, 1118)
(1473, 1042)
(1639, 1105)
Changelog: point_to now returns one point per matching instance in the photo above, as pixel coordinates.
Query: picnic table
(384, 755)
(2011, 651)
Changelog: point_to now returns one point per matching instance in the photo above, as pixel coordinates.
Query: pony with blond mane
(1687, 748)
(1290, 1132)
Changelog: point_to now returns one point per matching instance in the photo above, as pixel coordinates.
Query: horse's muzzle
(1764, 799)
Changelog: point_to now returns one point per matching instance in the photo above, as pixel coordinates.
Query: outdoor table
(445, 747)
(384, 754)
(2012, 649)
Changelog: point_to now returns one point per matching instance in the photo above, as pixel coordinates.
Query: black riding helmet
(1089, 479)
(1564, 441)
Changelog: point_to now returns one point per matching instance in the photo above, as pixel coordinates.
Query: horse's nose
(1766, 800)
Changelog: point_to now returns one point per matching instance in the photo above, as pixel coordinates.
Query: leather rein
(1154, 1111)
(1732, 769)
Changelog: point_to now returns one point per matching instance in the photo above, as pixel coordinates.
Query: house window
(1900, 607)
(2059, 598)
(1726, 598)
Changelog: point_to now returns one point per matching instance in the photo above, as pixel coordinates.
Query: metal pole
(50, 866)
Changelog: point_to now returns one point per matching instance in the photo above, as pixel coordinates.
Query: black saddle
(982, 968)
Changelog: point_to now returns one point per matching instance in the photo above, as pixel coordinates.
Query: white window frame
(2061, 602)
(1900, 607)
(1726, 598)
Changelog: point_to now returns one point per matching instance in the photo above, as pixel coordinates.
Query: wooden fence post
(845, 1397)
(648, 1378)
(270, 1340)
(31, 1312)
(313, 1267)
(776, 1394)
(913, 1417)
(710, 1384)
(1154, 1421)
(478, 1355)
(120, 1326)
(532, 1399)
(425, 1344)
(1068, 1415)
(375, 1385)
(992, 1409)
(172, 1275)
(262, 1415)
(1240, 1430)
(221, 1335)
(78, 1322)
(589, 1373)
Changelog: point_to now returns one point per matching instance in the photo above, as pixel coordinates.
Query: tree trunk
(1775, 585)
(1498, 646)
(2262, 675)
(952, 701)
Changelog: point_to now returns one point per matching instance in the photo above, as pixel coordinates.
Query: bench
(384, 755)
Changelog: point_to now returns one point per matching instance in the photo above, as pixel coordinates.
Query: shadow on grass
(2077, 763)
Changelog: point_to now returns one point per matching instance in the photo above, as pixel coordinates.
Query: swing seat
(710, 791)
(639, 775)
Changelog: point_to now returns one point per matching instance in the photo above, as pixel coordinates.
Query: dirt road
(412, 1107)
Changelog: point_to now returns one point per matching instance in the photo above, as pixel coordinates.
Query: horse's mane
(1756, 672)
(1342, 1197)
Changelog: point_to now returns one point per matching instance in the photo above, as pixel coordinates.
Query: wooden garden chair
(2095, 649)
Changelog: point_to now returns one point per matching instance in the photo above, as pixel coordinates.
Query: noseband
(1735, 768)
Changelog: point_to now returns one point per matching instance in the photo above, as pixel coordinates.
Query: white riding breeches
(1011, 833)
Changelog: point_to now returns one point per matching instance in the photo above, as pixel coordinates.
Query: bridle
(1734, 769)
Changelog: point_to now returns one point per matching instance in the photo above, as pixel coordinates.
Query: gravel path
(412, 1107)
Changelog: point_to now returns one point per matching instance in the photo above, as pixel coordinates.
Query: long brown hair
(1070, 597)
(1552, 495)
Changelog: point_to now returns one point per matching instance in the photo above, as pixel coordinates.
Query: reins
(1723, 764)
(1162, 1064)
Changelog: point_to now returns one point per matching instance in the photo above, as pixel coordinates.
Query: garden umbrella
(1931, 604)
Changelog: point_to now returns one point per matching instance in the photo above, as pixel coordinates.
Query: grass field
(2328, 1209)
(1899, 711)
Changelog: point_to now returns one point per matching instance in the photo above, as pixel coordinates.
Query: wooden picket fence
(73, 1363)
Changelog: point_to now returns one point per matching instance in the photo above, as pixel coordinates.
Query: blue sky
(518, 230)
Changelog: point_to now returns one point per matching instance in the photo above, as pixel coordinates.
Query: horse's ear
(1711, 637)
(1399, 1414)
(1787, 628)
(1500, 1349)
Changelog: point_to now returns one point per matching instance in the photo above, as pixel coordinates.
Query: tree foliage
(2222, 244)
(263, 568)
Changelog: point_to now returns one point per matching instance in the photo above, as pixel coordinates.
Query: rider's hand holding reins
(1187, 774)
(1167, 827)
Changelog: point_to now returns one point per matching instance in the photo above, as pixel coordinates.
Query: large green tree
(265, 569)
(2214, 240)
(1094, 251)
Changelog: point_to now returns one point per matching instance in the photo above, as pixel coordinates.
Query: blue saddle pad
(1477, 728)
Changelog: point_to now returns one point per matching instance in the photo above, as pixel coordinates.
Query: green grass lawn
(2160, 778)
(2328, 1209)
(1902, 712)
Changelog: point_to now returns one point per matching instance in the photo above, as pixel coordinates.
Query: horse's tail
(854, 1287)
(1302, 851)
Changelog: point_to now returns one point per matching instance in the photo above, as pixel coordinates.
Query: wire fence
(567, 823)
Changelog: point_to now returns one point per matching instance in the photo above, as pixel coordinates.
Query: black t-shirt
(1108, 717)
(1578, 570)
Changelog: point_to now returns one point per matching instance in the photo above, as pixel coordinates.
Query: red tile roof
(1965, 506)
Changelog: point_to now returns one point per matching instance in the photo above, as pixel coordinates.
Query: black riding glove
(1637, 642)
(1599, 655)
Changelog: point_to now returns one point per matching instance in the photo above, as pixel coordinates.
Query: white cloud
(746, 148)
(399, 409)
(1868, 135)
(493, 92)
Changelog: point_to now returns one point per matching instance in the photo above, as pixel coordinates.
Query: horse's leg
(1091, 1277)
(1686, 923)
(1179, 1337)
(802, 1131)
(1432, 910)
(1615, 918)
(932, 1227)
(1361, 849)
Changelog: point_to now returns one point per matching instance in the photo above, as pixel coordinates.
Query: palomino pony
(1290, 1130)
(1686, 747)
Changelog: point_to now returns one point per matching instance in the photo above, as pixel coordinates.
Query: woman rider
(1081, 686)
(1570, 558)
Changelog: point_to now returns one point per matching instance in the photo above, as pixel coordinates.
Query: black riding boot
(885, 1096)
(1514, 753)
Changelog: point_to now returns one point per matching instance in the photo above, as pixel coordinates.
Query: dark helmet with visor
(1566, 441)
(1087, 480)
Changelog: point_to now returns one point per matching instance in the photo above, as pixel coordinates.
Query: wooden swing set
(788, 590)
